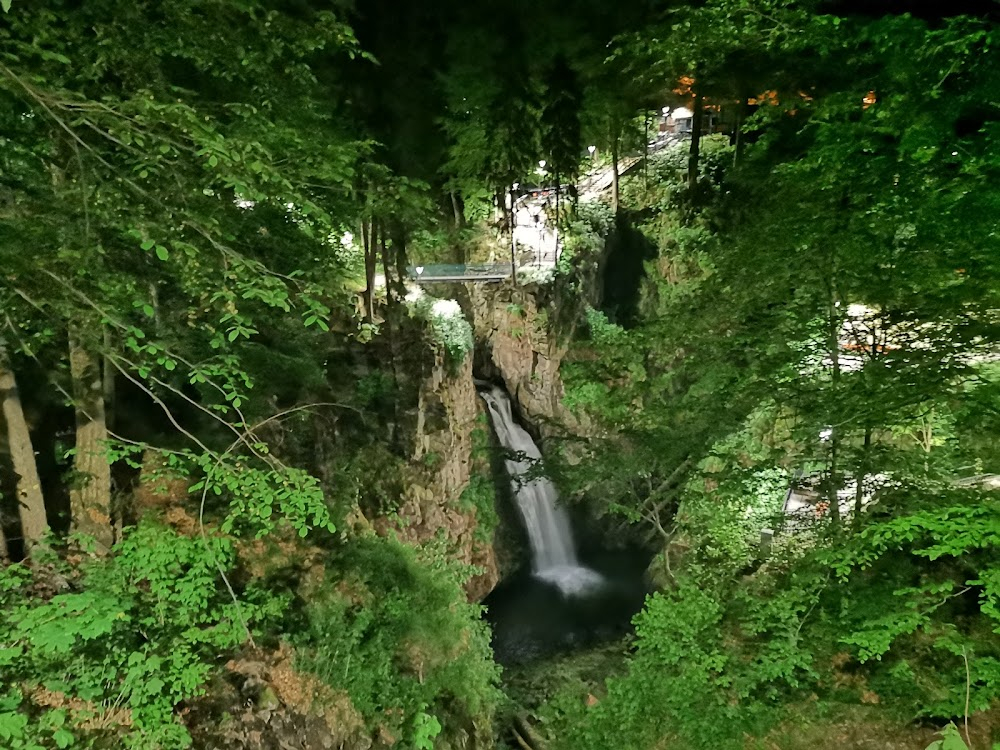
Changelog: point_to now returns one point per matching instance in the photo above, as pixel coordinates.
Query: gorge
(265, 486)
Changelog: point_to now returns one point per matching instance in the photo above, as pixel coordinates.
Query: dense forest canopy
(248, 494)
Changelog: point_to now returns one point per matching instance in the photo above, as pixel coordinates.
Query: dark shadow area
(628, 250)
(532, 619)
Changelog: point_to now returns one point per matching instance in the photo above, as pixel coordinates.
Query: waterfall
(549, 532)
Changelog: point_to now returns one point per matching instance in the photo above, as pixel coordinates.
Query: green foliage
(260, 499)
(481, 495)
(129, 639)
(950, 740)
(668, 172)
(587, 230)
(678, 684)
(425, 728)
(374, 388)
(398, 635)
(449, 329)
(810, 318)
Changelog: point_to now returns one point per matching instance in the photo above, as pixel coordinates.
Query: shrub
(398, 635)
(448, 326)
(123, 643)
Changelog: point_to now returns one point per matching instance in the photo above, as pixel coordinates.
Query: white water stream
(549, 532)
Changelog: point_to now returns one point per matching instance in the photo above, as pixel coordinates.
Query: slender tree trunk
(110, 402)
(859, 492)
(90, 498)
(697, 118)
(615, 195)
(369, 241)
(645, 152)
(457, 210)
(513, 243)
(30, 502)
(555, 229)
(381, 233)
(399, 255)
(389, 333)
(738, 140)
(108, 384)
(833, 345)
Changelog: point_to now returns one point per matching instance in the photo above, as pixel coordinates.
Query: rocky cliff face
(516, 340)
(515, 344)
(440, 468)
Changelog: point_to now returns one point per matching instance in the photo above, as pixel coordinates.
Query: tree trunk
(381, 233)
(859, 492)
(399, 255)
(90, 497)
(615, 195)
(369, 240)
(108, 385)
(513, 243)
(833, 345)
(738, 140)
(645, 152)
(30, 502)
(389, 330)
(457, 210)
(555, 229)
(695, 153)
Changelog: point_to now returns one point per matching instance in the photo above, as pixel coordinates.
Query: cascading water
(549, 533)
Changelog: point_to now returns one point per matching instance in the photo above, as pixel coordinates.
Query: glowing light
(446, 308)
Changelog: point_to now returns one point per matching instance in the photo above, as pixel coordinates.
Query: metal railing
(460, 272)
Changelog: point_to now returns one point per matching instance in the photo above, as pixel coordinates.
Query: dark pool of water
(531, 619)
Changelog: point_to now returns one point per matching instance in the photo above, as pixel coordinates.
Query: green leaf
(952, 740)
(147, 245)
(161, 252)
(5, 4)
(62, 738)
(12, 725)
